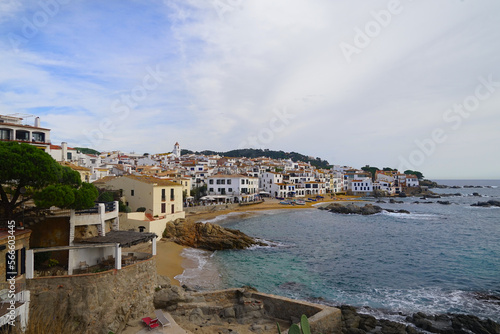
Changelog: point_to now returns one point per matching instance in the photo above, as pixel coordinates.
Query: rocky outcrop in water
(368, 209)
(453, 323)
(357, 323)
(207, 236)
(487, 204)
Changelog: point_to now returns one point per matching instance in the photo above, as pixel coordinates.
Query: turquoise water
(440, 258)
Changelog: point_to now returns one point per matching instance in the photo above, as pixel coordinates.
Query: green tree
(418, 174)
(27, 173)
(372, 170)
(199, 192)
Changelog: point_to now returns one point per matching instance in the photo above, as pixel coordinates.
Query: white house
(361, 186)
(13, 129)
(238, 188)
(268, 182)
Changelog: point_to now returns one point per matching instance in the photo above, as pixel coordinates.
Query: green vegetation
(372, 170)
(141, 209)
(28, 173)
(87, 150)
(122, 207)
(53, 263)
(295, 329)
(257, 153)
(418, 174)
(106, 196)
(199, 192)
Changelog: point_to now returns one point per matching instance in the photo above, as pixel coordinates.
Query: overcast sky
(402, 84)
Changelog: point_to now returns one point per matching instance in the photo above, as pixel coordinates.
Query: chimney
(64, 147)
(37, 122)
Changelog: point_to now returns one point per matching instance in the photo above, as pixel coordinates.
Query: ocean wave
(417, 216)
(392, 304)
(269, 244)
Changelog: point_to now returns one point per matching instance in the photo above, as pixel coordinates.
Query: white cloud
(228, 68)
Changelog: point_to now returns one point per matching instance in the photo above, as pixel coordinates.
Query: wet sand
(169, 260)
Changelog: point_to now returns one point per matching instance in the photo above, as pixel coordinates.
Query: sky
(399, 83)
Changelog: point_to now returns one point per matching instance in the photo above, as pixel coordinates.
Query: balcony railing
(108, 206)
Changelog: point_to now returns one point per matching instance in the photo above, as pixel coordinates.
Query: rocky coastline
(247, 313)
(192, 311)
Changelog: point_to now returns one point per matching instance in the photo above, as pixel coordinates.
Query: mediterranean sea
(437, 259)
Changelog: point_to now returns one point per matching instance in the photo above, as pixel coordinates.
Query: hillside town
(147, 192)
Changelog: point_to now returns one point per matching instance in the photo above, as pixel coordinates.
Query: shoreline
(269, 204)
(172, 263)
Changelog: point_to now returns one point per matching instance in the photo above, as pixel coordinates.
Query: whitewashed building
(238, 188)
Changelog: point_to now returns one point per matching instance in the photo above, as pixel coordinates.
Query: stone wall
(322, 318)
(210, 208)
(100, 302)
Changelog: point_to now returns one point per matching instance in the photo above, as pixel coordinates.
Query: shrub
(53, 263)
(141, 209)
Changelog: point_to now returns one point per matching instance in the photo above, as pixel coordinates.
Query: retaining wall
(100, 302)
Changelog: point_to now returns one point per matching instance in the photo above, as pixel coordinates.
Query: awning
(124, 238)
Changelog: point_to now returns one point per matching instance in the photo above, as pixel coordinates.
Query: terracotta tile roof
(75, 167)
(104, 180)
(153, 180)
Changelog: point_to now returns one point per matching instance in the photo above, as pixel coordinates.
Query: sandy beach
(169, 260)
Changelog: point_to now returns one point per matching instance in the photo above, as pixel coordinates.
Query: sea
(437, 259)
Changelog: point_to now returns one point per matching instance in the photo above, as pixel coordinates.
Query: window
(172, 209)
(242, 181)
(5, 134)
(172, 197)
(132, 192)
(163, 195)
(163, 207)
(222, 181)
(211, 190)
(39, 136)
(230, 190)
(69, 156)
(211, 181)
(229, 181)
(218, 181)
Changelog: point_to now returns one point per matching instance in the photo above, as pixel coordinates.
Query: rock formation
(368, 209)
(207, 236)
(487, 204)
(354, 322)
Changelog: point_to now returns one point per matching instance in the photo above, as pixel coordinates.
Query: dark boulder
(487, 204)
(453, 323)
(207, 236)
(393, 201)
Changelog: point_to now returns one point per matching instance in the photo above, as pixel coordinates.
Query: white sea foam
(199, 272)
(417, 216)
(269, 244)
(430, 301)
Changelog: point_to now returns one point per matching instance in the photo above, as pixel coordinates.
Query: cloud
(229, 65)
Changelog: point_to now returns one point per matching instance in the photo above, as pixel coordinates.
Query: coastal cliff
(207, 236)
